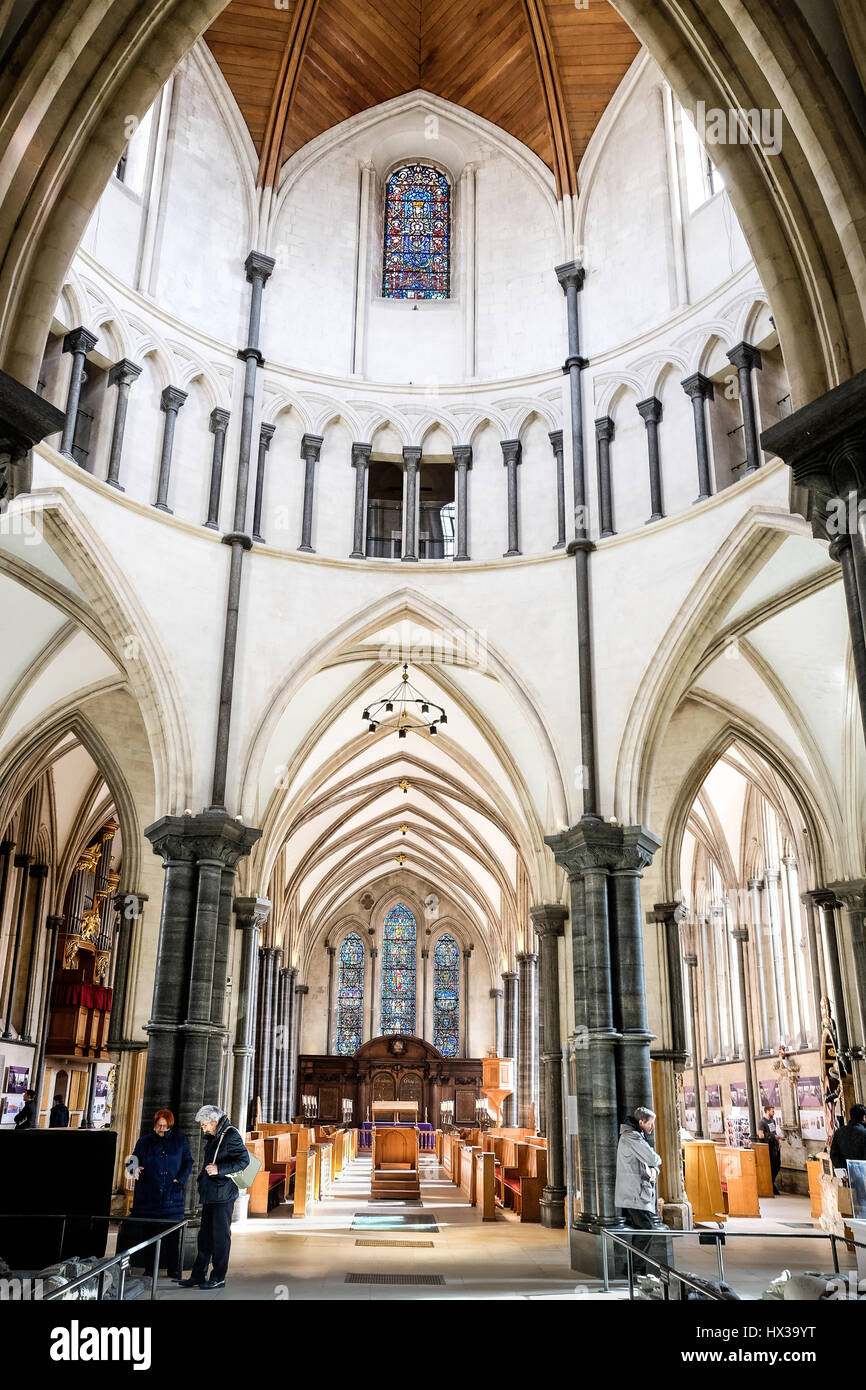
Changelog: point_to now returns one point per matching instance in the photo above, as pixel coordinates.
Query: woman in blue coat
(162, 1165)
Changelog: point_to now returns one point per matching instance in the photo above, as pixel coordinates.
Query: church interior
(433, 576)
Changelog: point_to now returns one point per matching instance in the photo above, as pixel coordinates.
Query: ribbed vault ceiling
(543, 70)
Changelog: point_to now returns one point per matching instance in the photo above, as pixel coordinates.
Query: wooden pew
(269, 1186)
(523, 1174)
(466, 1170)
(306, 1182)
(484, 1184)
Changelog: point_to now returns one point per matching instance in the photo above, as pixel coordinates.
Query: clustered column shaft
(122, 375)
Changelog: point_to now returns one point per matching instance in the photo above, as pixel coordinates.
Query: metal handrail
(101, 1268)
(666, 1272)
(717, 1238)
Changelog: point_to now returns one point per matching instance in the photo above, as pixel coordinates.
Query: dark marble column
(185, 1035)
(22, 862)
(852, 895)
(374, 955)
(264, 1031)
(422, 1031)
(512, 1034)
(311, 448)
(548, 921)
(266, 434)
(218, 424)
(699, 389)
(741, 936)
(556, 444)
(511, 457)
(258, 270)
(279, 1053)
(571, 277)
(52, 926)
(39, 872)
(300, 994)
(816, 965)
(496, 995)
(747, 359)
(827, 905)
(467, 954)
(251, 915)
(329, 1037)
(527, 1039)
(170, 403)
(290, 1003)
(360, 462)
(691, 963)
(122, 375)
(604, 433)
(610, 995)
(130, 908)
(824, 443)
(463, 463)
(671, 1060)
(411, 461)
(650, 411)
(80, 341)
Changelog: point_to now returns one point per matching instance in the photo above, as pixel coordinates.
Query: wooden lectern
(395, 1152)
(497, 1082)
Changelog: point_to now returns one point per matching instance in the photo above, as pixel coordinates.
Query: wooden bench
(269, 1187)
(485, 1196)
(520, 1174)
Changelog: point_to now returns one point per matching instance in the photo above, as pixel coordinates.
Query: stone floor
(280, 1258)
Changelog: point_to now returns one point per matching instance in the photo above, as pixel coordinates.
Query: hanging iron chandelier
(414, 711)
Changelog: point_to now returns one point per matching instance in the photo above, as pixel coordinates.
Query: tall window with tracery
(446, 996)
(398, 971)
(350, 996)
(417, 251)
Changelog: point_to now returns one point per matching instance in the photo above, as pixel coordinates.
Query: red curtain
(82, 996)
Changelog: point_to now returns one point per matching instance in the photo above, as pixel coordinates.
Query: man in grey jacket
(637, 1168)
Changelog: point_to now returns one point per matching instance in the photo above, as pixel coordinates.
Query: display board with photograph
(739, 1095)
(769, 1094)
(690, 1113)
(715, 1116)
(17, 1079)
(11, 1107)
(810, 1100)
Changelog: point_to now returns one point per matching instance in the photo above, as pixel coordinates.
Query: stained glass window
(417, 260)
(398, 971)
(350, 996)
(446, 996)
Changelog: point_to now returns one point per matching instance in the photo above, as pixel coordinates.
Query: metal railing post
(605, 1273)
(628, 1256)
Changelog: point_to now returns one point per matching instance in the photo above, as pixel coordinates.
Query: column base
(304, 549)
(112, 483)
(656, 516)
(552, 1206)
(704, 497)
(163, 507)
(261, 540)
(357, 555)
(560, 545)
(211, 526)
(678, 1215)
(507, 554)
(409, 559)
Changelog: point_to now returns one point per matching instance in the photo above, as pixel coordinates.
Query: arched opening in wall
(727, 436)
(437, 521)
(384, 510)
(757, 958)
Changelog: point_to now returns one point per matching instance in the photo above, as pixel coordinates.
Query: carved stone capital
(212, 836)
(650, 410)
(258, 266)
(745, 356)
(172, 398)
(412, 455)
(311, 446)
(605, 428)
(570, 274)
(548, 919)
(361, 455)
(555, 437)
(124, 373)
(698, 385)
(462, 455)
(511, 451)
(266, 434)
(219, 420)
(251, 914)
(80, 340)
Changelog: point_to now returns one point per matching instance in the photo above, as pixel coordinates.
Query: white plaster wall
(203, 236)
(520, 309)
(629, 466)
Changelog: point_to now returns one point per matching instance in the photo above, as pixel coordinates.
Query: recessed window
(703, 180)
(416, 261)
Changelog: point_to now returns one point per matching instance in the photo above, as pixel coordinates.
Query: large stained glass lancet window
(398, 971)
(446, 996)
(350, 995)
(417, 260)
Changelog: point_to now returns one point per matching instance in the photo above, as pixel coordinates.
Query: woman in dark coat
(163, 1163)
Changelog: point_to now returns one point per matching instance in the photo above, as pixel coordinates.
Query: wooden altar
(392, 1068)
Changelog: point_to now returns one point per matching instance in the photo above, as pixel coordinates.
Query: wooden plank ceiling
(540, 69)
